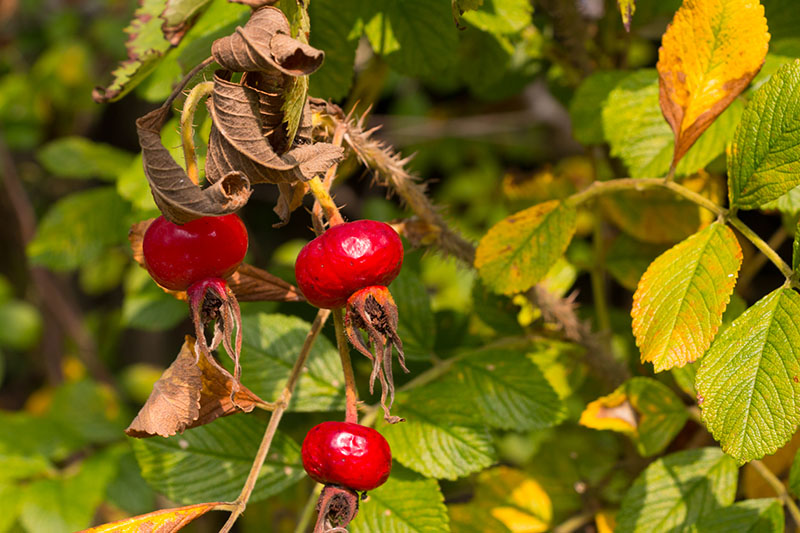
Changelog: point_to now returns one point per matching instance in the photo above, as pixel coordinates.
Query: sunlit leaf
(748, 385)
(518, 251)
(405, 503)
(211, 463)
(586, 106)
(163, 521)
(708, 55)
(649, 412)
(764, 159)
(748, 516)
(634, 127)
(674, 491)
(336, 31)
(678, 305)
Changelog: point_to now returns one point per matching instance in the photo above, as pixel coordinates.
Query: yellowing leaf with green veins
(709, 54)
(764, 157)
(163, 521)
(642, 408)
(518, 251)
(748, 385)
(678, 305)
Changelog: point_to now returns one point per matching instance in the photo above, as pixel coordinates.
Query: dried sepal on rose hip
(347, 458)
(196, 257)
(350, 266)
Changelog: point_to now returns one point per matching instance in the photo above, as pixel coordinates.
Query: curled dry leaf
(238, 135)
(265, 43)
(178, 198)
(163, 521)
(255, 4)
(193, 391)
(249, 283)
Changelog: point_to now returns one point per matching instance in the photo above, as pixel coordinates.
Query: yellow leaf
(627, 8)
(613, 412)
(515, 499)
(709, 54)
(605, 521)
(164, 521)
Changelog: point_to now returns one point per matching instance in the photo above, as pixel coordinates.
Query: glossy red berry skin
(177, 256)
(346, 258)
(347, 454)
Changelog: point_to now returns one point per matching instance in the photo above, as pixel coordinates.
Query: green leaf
(406, 503)
(508, 390)
(639, 135)
(10, 505)
(747, 385)
(796, 248)
(146, 48)
(517, 252)
(794, 475)
(627, 259)
(441, 436)
(128, 490)
(91, 410)
(67, 503)
(586, 106)
(35, 437)
(211, 462)
(293, 104)
(78, 157)
(417, 327)
(673, 492)
(416, 37)
(78, 228)
(501, 17)
(469, 518)
(337, 29)
(270, 345)
(764, 160)
(748, 516)
(178, 12)
(678, 305)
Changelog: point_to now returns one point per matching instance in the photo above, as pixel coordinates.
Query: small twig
(598, 277)
(198, 92)
(779, 488)
(280, 407)
(351, 392)
(765, 248)
(574, 523)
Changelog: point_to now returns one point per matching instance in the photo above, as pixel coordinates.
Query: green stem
(626, 184)
(759, 243)
(779, 488)
(350, 390)
(198, 92)
(309, 510)
(597, 274)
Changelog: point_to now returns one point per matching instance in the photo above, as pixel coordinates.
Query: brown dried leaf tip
(373, 310)
(193, 391)
(336, 508)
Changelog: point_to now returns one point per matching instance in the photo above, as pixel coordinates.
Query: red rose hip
(346, 258)
(177, 256)
(347, 454)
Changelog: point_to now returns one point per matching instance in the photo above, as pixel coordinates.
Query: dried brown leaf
(178, 198)
(251, 284)
(255, 4)
(238, 135)
(175, 400)
(193, 391)
(289, 199)
(265, 43)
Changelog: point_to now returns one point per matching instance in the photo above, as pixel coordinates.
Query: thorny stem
(779, 488)
(351, 392)
(625, 184)
(198, 92)
(280, 407)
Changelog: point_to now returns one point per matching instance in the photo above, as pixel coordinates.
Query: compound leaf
(518, 251)
(764, 159)
(674, 491)
(748, 385)
(678, 305)
(708, 55)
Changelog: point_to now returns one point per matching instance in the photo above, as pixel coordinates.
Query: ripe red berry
(177, 256)
(346, 258)
(347, 454)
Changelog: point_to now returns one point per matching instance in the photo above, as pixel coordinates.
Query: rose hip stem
(351, 392)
